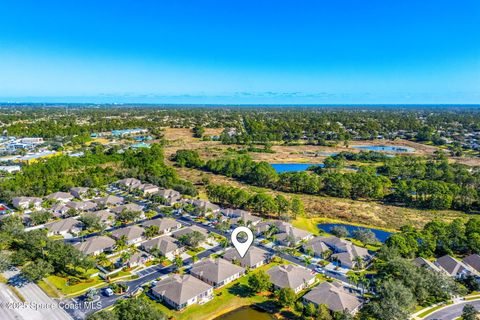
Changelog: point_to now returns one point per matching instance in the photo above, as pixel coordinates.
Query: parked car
(108, 292)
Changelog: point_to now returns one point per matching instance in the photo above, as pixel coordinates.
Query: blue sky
(316, 52)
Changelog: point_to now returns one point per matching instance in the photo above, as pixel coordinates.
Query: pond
(246, 313)
(293, 167)
(385, 148)
(380, 234)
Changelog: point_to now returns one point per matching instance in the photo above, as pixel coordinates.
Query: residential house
(317, 247)
(109, 201)
(184, 231)
(473, 261)
(246, 219)
(167, 246)
(138, 259)
(165, 225)
(217, 272)
(133, 234)
(23, 203)
(170, 195)
(81, 205)
(79, 192)
(206, 208)
(63, 227)
(148, 188)
(453, 267)
(128, 207)
(254, 258)
(129, 183)
(59, 209)
(334, 296)
(291, 276)
(424, 263)
(353, 256)
(181, 291)
(95, 245)
(60, 196)
(292, 236)
(106, 217)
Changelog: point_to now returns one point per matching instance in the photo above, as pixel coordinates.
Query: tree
(137, 309)
(394, 301)
(5, 261)
(36, 270)
(177, 261)
(469, 312)
(151, 231)
(297, 207)
(286, 297)
(103, 315)
(339, 231)
(192, 239)
(323, 313)
(92, 222)
(259, 281)
(310, 310)
(128, 216)
(39, 217)
(365, 236)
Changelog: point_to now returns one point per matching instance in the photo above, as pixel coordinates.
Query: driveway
(452, 312)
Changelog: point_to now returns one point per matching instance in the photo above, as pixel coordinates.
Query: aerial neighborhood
(123, 218)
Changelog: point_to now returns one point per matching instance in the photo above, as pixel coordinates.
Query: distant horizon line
(20, 103)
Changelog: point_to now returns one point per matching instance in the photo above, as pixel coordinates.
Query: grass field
(61, 284)
(365, 213)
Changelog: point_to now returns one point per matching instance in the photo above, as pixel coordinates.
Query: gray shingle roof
(162, 223)
(94, 244)
(334, 296)
(253, 256)
(62, 225)
(290, 276)
(164, 244)
(132, 232)
(473, 261)
(181, 288)
(216, 270)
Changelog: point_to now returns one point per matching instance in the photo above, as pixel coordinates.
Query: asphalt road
(452, 312)
(37, 305)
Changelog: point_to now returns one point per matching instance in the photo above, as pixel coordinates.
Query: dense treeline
(40, 255)
(252, 125)
(97, 167)
(431, 183)
(438, 238)
(262, 203)
(400, 286)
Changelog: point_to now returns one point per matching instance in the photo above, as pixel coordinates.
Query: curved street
(452, 312)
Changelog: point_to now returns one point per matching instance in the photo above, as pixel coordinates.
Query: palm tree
(353, 278)
(358, 262)
(102, 260)
(121, 242)
(224, 243)
(307, 260)
(195, 258)
(178, 262)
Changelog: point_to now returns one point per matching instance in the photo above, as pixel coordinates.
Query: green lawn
(48, 289)
(61, 284)
(230, 297)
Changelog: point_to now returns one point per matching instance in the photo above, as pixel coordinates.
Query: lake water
(293, 167)
(385, 148)
(380, 234)
(246, 313)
